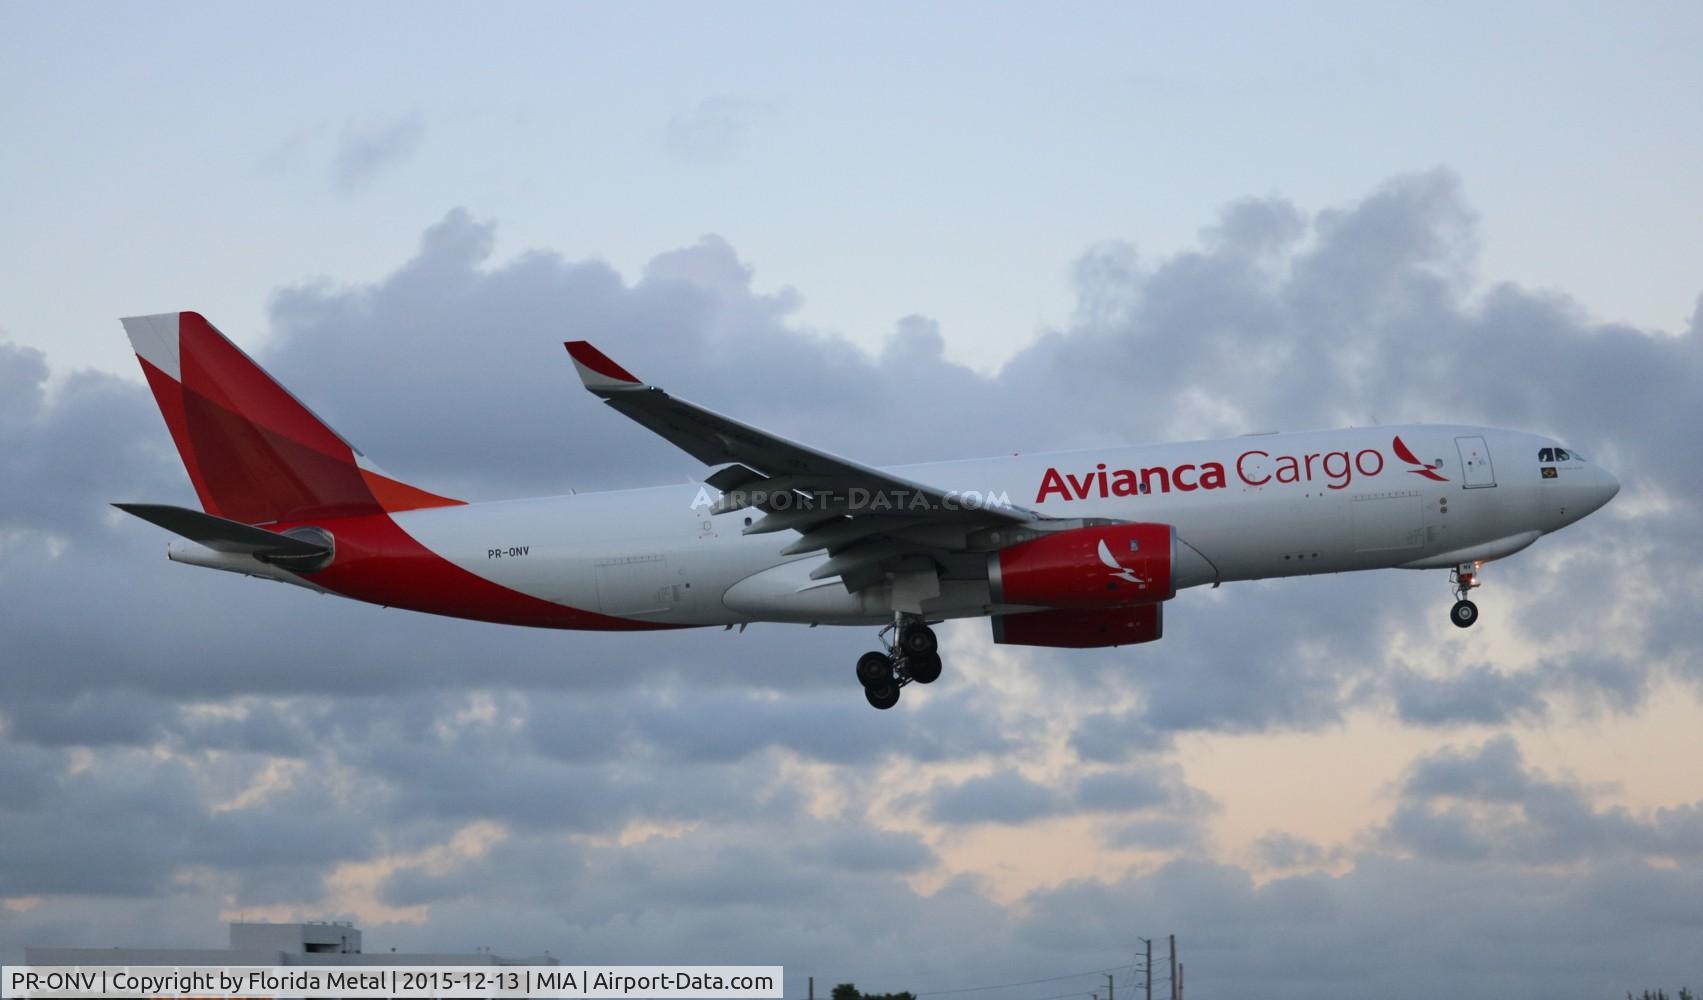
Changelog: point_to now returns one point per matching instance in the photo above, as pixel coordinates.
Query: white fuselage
(1244, 508)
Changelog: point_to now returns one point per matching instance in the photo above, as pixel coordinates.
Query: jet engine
(1077, 628)
(1104, 566)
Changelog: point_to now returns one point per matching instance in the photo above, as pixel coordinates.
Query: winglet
(596, 370)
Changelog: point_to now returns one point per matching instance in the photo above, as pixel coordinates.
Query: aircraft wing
(869, 521)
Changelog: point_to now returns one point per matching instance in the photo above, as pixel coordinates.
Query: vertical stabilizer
(253, 451)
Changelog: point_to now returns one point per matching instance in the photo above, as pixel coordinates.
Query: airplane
(1073, 549)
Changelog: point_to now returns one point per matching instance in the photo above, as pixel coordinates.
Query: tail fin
(254, 453)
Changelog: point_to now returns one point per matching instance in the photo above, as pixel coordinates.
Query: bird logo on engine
(1119, 570)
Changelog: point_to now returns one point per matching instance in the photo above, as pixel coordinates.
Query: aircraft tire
(882, 696)
(918, 639)
(1463, 614)
(874, 669)
(924, 668)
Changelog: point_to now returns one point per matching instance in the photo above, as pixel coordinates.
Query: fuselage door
(1476, 470)
(635, 585)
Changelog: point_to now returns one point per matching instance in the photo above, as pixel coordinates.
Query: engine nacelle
(1078, 628)
(1109, 566)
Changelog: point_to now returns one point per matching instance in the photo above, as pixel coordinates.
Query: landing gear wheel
(924, 668)
(882, 696)
(1464, 613)
(917, 639)
(874, 669)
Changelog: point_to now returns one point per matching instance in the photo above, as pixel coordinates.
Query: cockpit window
(1561, 455)
(1546, 455)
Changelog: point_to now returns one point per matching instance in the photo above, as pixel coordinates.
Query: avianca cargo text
(1255, 467)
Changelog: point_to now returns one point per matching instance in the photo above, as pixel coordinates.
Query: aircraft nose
(1606, 487)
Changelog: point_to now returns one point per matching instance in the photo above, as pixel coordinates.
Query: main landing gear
(912, 656)
(1464, 578)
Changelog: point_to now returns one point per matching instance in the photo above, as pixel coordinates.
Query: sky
(899, 234)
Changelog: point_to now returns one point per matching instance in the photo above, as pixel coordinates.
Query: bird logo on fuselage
(1426, 469)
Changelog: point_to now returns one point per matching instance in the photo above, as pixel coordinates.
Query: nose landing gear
(1464, 578)
(910, 657)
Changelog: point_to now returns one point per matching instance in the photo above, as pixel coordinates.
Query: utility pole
(812, 988)
(1109, 989)
(1176, 990)
(1149, 965)
(1179, 981)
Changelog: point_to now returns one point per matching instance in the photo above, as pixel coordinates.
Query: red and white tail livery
(1073, 549)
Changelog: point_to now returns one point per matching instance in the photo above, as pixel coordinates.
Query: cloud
(1486, 804)
(367, 149)
(1278, 849)
(860, 850)
(1005, 797)
(714, 129)
(1114, 737)
(1008, 797)
(1378, 928)
(1480, 695)
(175, 742)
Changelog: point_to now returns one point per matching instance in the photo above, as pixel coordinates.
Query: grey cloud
(1487, 804)
(98, 833)
(130, 822)
(861, 850)
(1494, 772)
(366, 149)
(496, 869)
(1111, 738)
(1156, 833)
(1214, 321)
(1002, 797)
(1619, 682)
(1278, 849)
(270, 727)
(25, 776)
(1385, 927)
(23, 373)
(713, 129)
(815, 726)
(1119, 791)
(1009, 797)
(1282, 319)
(63, 458)
(1479, 695)
(90, 718)
(1255, 227)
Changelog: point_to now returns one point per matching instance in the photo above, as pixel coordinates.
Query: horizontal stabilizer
(224, 535)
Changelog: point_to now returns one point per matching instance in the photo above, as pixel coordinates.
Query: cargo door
(1388, 521)
(1476, 470)
(634, 585)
